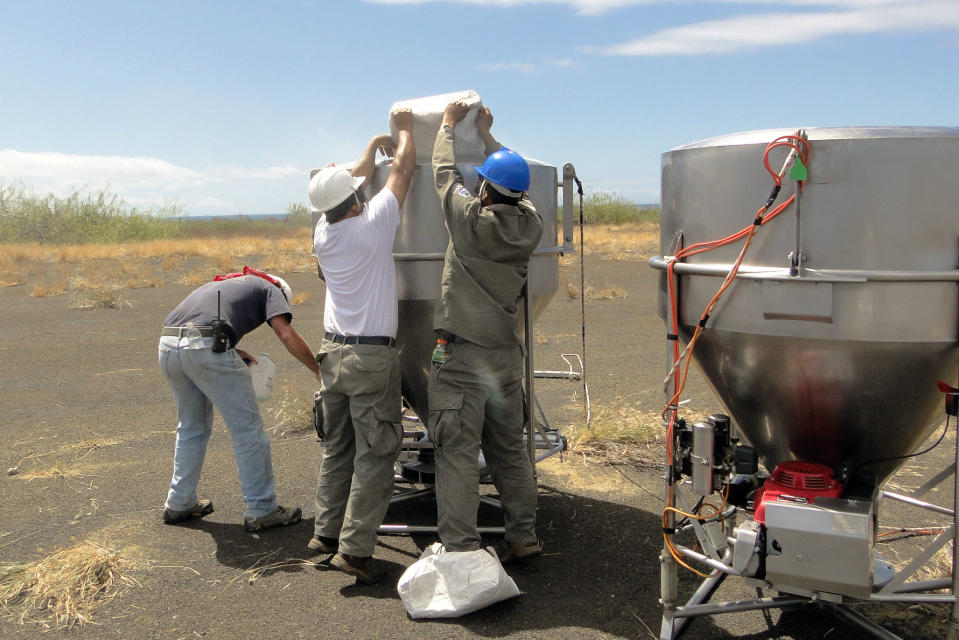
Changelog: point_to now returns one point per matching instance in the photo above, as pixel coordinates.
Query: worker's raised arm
(404, 161)
(445, 174)
(366, 163)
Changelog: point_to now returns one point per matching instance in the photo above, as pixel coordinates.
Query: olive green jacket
(487, 258)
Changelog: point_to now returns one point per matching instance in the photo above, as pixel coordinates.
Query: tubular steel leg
(857, 618)
(673, 619)
(953, 633)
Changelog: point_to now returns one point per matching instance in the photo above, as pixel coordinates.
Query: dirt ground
(89, 424)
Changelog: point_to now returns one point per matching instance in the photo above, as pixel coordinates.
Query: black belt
(179, 332)
(384, 341)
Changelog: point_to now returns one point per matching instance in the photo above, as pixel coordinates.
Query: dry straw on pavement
(63, 589)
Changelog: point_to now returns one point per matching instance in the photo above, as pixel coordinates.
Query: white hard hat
(331, 186)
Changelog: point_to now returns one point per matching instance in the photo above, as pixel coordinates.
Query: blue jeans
(201, 380)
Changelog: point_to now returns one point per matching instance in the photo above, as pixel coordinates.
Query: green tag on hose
(798, 171)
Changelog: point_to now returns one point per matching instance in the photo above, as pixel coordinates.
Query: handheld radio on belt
(221, 331)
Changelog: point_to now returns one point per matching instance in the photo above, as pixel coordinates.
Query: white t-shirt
(356, 256)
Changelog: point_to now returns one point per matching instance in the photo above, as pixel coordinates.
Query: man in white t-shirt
(359, 364)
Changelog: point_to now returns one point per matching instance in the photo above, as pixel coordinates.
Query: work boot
(518, 552)
(363, 569)
(279, 517)
(200, 509)
(323, 544)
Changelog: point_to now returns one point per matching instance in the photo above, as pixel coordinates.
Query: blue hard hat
(506, 168)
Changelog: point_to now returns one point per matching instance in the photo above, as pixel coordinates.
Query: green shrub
(79, 218)
(104, 218)
(299, 214)
(610, 208)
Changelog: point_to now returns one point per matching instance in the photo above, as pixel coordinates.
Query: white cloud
(599, 7)
(141, 172)
(526, 68)
(148, 182)
(518, 67)
(766, 30)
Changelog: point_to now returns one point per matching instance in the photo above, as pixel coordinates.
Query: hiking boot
(323, 544)
(279, 517)
(517, 552)
(363, 569)
(200, 509)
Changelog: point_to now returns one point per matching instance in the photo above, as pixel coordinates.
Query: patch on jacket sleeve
(462, 191)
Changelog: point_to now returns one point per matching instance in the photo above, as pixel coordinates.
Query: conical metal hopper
(836, 362)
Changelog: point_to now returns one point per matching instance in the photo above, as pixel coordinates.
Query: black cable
(908, 455)
(582, 293)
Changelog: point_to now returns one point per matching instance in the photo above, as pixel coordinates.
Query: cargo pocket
(444, 415)
(367, 375)
(388, 437)
(370, 364)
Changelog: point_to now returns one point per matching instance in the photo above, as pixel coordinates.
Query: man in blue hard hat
(475, 387)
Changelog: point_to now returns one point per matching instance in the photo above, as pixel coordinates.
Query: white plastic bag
(263, 373)
(447, 584)
(427, 118)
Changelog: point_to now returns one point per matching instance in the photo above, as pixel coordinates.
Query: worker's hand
(247, 358)
(403, 118)
(384, 144)
(455, 111)
(484, 120)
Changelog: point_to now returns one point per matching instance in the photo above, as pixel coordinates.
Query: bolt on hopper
(825, 348)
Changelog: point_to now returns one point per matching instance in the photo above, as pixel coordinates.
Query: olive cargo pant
(476, 400)
(362, 418)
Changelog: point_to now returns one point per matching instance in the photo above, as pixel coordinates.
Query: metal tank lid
(763, 136)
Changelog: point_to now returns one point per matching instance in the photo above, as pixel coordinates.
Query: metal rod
(673, 625)
(569, 174)
(918, 561)
(917, 503)
(565, 375)
(715, 564)
(953, 632)
(777, 602)
(408, 529)
(857, 618)
(935, 480)
(912, 597)
(530, 393)
(925, 585)
(409, 495)
(809, 275)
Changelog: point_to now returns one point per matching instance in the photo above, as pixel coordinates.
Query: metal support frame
(539, 437)
(898, 589)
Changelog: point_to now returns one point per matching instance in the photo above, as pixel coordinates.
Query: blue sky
(225, 107)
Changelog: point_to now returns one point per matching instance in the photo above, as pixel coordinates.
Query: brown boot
(363, 569)
(518, 552)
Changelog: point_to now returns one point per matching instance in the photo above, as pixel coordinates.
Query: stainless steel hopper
(844, 315)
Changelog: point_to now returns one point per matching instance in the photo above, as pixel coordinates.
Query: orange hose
(682, 360)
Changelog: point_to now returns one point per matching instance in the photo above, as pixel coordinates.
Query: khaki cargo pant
(362, 418)
(476, 401)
